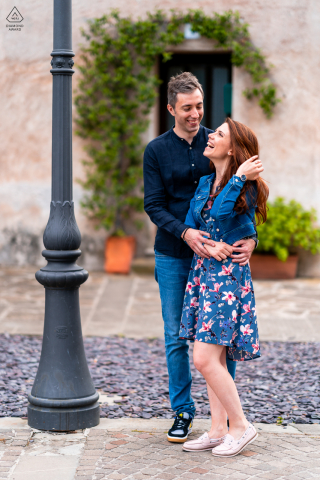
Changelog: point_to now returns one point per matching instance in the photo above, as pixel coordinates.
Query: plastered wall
(287, 32)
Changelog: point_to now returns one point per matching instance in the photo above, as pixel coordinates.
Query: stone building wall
(286, 31)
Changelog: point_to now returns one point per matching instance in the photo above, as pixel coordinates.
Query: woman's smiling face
(219, 143)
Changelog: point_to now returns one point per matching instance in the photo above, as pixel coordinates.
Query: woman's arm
(220, 251)
(223, 206)
(191, 220)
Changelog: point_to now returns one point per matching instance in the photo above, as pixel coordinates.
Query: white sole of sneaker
(177, 439)
(237, 453)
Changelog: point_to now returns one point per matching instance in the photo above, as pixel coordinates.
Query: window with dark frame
(215, 75)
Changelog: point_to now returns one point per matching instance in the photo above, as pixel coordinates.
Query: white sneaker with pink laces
(231, 447)
(202, 443)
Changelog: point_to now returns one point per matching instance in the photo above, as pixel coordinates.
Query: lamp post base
(63, 396)
(63, 419)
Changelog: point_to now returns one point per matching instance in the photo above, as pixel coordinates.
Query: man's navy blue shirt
(172, 169)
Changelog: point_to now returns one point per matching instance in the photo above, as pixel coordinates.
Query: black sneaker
(181, 428)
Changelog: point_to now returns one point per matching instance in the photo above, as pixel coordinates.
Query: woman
(219, 308)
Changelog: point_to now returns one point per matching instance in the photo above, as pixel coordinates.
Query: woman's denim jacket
(224, 224)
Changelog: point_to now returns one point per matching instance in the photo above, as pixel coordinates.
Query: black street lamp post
(63, 396)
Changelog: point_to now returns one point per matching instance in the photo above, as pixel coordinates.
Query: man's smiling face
(188, 111)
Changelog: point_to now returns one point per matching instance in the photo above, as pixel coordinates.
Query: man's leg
(231, 366)
(172, 275)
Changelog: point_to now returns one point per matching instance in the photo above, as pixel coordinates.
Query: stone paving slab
(134, 449)
(130, 306)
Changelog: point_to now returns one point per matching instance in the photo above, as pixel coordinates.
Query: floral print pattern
(219, 305)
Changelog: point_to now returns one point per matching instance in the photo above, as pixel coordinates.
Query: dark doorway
(213, 72)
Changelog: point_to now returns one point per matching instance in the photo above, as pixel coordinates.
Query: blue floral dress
(219, 304)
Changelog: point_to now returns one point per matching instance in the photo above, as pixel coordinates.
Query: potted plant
(288, 227)
(114, 198)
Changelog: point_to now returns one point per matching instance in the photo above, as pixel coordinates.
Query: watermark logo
(14, 18)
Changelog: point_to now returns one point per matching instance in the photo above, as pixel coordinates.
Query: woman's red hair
(244, 145)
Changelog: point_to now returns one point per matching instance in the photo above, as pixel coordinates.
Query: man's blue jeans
(172, 275)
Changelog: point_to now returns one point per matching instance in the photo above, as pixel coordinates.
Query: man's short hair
(185, 82)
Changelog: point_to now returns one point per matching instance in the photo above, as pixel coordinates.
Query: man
(173, 165)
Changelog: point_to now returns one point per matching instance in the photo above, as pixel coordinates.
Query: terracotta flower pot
(269, 267)
(119, 253)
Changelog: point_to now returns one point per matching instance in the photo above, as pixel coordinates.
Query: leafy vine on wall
(118, 88)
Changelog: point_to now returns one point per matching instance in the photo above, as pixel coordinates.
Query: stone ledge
(162, 425)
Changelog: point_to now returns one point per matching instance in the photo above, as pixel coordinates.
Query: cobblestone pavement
(138, 451)
(130, 306)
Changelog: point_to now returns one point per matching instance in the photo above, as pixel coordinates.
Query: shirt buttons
(195, 181)
(190, 148)
(181, 139)
(221, 240)
(218, 230)
(193, 164)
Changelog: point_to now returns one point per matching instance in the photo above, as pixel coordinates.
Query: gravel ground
(284, 382)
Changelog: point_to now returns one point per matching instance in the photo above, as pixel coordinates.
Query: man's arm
(244, 249)
(222, 250)
(155, 203)
(195, 238)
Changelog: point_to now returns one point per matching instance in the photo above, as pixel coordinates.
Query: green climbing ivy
(118, 88)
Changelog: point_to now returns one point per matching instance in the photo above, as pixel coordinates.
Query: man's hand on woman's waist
(222, 250)
(244, 249)
(195, 239)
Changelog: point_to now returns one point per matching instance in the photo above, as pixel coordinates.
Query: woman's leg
(210, 360)
(219, 426)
